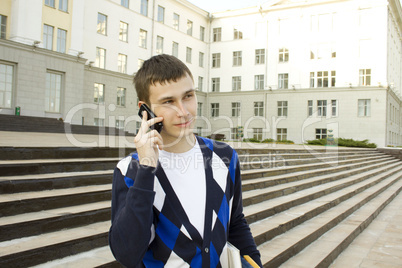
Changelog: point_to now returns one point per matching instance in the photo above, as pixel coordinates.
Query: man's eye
(167, 102)
(189, 95)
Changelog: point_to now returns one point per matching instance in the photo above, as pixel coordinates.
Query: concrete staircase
(303, 208)
(52, 125)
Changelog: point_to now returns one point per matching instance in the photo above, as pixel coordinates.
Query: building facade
(285, 70)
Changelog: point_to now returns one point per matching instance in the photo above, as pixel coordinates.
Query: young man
(177, 201)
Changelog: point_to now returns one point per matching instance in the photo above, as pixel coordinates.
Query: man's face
(176, 102)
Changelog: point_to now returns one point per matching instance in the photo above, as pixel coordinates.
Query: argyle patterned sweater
(150, 227)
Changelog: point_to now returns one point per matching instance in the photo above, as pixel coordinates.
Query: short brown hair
(158, 69)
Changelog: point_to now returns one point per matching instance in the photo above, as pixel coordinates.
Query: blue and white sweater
(150, 227)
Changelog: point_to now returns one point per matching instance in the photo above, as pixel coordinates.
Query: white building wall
(26, 21)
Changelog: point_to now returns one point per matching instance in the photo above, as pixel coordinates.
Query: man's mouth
(185, 124)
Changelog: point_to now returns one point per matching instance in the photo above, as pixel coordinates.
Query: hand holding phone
(158, 126)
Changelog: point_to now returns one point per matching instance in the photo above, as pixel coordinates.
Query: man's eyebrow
(171, 97)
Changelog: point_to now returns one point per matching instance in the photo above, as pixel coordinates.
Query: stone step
(264, 182)
(271, 156)
(281, 222)
(14, 204)
(271, 207)
(92, 258)
(320, 240)
(36, 223)
(259, 195)
(282, 162)
(50, 181)
(275, 171)
(43, 166)
(25, 153)
(39, 249)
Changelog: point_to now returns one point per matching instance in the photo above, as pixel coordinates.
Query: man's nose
(182, 109)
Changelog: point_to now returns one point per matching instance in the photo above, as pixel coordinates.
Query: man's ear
(140, 103)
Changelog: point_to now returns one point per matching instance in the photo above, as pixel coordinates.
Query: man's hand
(147, 141)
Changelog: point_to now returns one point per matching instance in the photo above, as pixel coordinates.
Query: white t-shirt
(186, 174)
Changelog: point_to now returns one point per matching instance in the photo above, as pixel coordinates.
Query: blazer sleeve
(132, 213)
(239, 231)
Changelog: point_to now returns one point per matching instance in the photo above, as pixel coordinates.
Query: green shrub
(268, 141)
(286, 142)
(344, 142)
(252, 140)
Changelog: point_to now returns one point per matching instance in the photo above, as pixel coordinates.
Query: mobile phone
(157, 126)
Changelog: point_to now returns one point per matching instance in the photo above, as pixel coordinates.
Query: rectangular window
(217, 34)
(99, 93)
(365, 77)
(124, 3)
(237, 58)
(100, 60)
(120, 124)
(123, 32)
(321, 108)
(334, 108)
(3, 26)
(63, 5)
(49, 3)
(281, 134)
(322, 79)
(282, 108)
(312, 79)
(216, 84)
(200, 83)
(283, 81)
(48, 37)
(201, 59)
(310, 108)
(234, 133)
(258, 108)
(121, 96)
(237, 34)
(159, 45)
(216, 60)
(283, 55)
(99, 122)
(144, 7)
(214, 109)
(176, 21)
(235, 109)
(161, 14)
(143, 39)
(61, 40)
(257, 133)
(236, 83)
(102, 24)
(333, 78)
(188, 54)
(199, 108)
(175, 49)
(320, 133)
(364, 107)
(53, 92)
(122, 63)
(189, 27)
(6, 85)
(259, 56)
(202, 33)
(259, 82)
